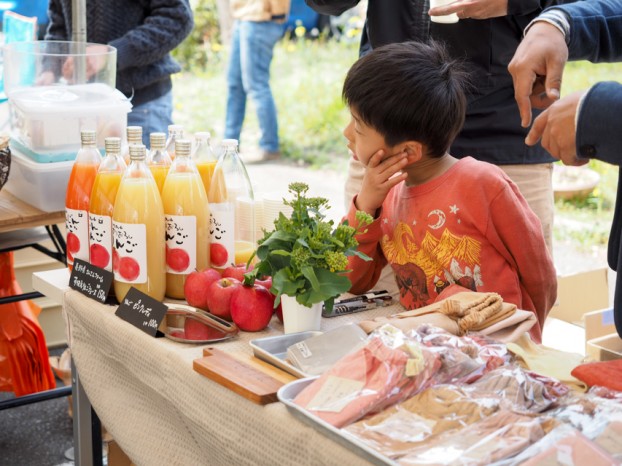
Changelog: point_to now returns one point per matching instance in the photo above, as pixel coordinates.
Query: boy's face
(363, 140)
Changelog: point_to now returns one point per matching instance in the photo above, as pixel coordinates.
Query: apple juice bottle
(158, 160)
(138, 231)
(101, 204)
(186, 220)
(174, 132)
(204, 158)
(232, 210)
(78, 197)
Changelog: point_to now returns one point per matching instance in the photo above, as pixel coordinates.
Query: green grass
(307, 77)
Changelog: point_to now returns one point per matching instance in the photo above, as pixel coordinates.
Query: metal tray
(274, 350)
(286, 395)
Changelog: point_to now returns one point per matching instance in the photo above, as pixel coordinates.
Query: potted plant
(306, 255)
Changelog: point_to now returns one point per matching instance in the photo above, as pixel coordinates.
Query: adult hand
(381, 174)
(475, 9)
(537, 68)
(556, 127)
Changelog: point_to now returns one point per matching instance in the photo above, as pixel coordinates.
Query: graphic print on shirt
(441, 258)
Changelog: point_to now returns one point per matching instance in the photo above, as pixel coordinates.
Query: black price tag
(89, 280)
(142, 311)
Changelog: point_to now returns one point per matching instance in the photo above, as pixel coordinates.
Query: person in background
(258, 27)
(439, 221)
(585, 124)
(143, 32)
(487, 35)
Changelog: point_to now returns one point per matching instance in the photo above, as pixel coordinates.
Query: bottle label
(100, 241)
(181, 243)
(129, 256)
(77, 224)
(222, 234)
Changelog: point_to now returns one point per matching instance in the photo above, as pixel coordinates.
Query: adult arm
(166, 26)
(57, 29)
(365, 274)
(331, 7)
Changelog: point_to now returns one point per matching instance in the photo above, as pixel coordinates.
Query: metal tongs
(359, 303)
(174, 322)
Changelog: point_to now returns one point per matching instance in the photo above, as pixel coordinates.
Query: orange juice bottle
(204, 158)
(138, 231)
(78, 197)
(134, 136)
(186, 219)
(174, 132)
(159, 161)
(232, 210)
(101, 205)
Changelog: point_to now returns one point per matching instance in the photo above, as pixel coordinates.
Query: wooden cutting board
(246, 375)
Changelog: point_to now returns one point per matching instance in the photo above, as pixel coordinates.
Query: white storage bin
(48, 119)
(42, 185)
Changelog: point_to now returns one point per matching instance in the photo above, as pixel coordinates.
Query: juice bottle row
(151, 222)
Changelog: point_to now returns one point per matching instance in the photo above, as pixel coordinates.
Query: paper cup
(445, 19)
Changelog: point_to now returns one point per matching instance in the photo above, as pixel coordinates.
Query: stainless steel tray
(274, 350)
(286, 395)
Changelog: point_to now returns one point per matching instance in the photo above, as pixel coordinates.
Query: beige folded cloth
(464, 312)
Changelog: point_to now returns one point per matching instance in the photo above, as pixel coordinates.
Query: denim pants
(249, 75)
(154, 116)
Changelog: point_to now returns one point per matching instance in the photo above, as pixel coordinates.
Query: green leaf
(283, 283)
(331, 285)
(309, 274)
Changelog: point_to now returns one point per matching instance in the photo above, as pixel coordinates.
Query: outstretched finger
(523, 87)
(537, 129)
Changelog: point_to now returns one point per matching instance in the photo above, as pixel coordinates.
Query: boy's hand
(381, 175)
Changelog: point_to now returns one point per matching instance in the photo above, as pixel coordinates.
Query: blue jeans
(154, 116)
(249, 74)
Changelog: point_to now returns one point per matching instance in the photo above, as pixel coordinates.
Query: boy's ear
(414, 150)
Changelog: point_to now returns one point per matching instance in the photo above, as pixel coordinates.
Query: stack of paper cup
(246, 217)
(273, 205)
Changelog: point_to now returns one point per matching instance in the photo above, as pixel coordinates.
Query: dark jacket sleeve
(56, 29)
(331, 7)
(166, 26)
(595, 30)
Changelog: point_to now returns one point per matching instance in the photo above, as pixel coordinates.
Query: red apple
(266, 282)
(177, 259)
(219, 296)
(73, 243)
(218, 254)
(129, 268)
(196, 286)
(196, 330)
(279, 313)
(252, 307)
(99, 256)
(237, 271)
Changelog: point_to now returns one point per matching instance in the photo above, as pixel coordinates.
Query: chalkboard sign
(141, 311)
(91, 281)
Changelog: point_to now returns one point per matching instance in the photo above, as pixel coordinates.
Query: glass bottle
(159, 161)
(101, 204)
(186, 219)
(232, 210)
(138, 231)
(174, 132)
(204, 157)
(134, 136)
(78, 197)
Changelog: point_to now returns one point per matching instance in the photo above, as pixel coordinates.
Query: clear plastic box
(42, 185)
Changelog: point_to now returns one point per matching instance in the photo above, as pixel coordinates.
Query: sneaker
(267, 155)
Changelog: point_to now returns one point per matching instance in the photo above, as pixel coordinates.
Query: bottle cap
(134, 134)
(177, 129)
(157, 140)
(88, 137)
(230, 143)
(203, 135)
(137, 152)
(112, 145)
(182, 147)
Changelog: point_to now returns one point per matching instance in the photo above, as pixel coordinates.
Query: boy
(438, 220)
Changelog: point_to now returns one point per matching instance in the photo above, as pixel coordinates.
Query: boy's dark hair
(409, 91)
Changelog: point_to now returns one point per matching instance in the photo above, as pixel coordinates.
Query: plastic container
(42, 185)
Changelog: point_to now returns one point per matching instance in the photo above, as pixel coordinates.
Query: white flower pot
(299, 318)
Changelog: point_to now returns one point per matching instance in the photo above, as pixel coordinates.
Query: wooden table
(17, 215)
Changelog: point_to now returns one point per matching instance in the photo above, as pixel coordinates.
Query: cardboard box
(605, 348)
(579, 294)
(599, 323)
(116, 456)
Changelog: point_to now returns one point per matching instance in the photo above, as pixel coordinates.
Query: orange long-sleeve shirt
(469, 226)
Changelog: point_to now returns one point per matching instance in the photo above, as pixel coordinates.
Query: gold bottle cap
(88, 137)
(137, 152)
(183, 147)
(176, 129)
(134, 134)
(157, 140)
(112, 145)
